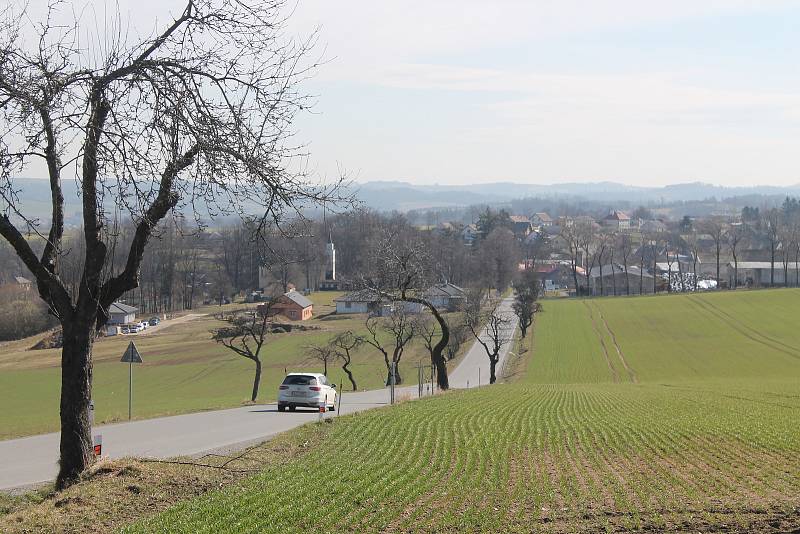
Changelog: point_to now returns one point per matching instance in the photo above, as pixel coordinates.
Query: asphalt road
(32, 460)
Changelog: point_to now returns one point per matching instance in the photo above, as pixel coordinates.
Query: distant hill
(34, 194)
(404, 196)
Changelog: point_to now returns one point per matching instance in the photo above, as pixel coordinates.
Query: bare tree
(625, 247)
(402, 272)
(526, 292)
(716, 230)
(772, 223)
(401, 327)
(246, 336)
(324, 354)
(585, 238)
(345, 344)
(734, 234)
(693, 243)
(491, 335)
(571, 237)
(197, 114)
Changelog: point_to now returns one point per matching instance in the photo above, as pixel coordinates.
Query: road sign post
(130, 357)
(392, 381)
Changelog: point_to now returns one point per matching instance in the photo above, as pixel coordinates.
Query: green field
(184, 370)
(647, 414)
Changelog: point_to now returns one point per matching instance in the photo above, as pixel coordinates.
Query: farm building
(759, 273)
(613, 280)
(291, 305)
(119, 313)
(446, 296)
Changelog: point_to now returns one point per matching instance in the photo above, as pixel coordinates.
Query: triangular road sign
(131, 354)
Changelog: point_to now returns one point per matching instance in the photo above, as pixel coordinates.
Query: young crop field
(184, 370)
(648, 414)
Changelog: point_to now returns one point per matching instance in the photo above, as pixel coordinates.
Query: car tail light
(314, 388)
(284, 387)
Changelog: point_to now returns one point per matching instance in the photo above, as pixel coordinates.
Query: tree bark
(349, 373)
(397, 378)
(256, 380)
(493, 369)
(76, 393)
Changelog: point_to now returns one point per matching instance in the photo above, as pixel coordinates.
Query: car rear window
(300, 380)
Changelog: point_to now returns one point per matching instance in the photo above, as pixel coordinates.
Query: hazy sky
(636, 91)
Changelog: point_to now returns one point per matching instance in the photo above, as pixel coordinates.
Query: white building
(119, 313)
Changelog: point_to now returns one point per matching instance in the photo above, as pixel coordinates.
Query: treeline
(185, 266)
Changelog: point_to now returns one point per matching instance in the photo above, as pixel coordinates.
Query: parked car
(125, 329)
(307, 390)
(142, 325)
(154, 321)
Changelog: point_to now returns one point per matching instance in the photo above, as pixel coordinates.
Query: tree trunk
(76, 393)
(256, 380)
(442, 379)
(772, 267)
(397, 378)
(655, 276)
(492, 369)
(350, 376)
(437, 354)
(602, 288)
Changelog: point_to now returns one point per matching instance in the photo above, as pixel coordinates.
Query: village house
(447, 296)
(119, 314)
(292, 305)
(361, 301)
(521, 226)
(469, 234)
(652, 227)
(541, 219)
(557, 276)
(617, 220)
(22, 283)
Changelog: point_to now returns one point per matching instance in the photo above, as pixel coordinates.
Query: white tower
(330, 264)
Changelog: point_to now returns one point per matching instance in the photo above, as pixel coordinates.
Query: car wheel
(292, 407)
(281, 408)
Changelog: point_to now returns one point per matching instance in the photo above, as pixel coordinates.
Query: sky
(541, 91)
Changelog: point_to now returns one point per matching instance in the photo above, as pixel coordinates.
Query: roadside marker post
(97, 444)
(393, 368)
(321, 410)
(341, 394)
(420, 379)
(130, 357)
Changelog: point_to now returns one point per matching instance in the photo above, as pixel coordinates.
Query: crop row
(504, 458)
